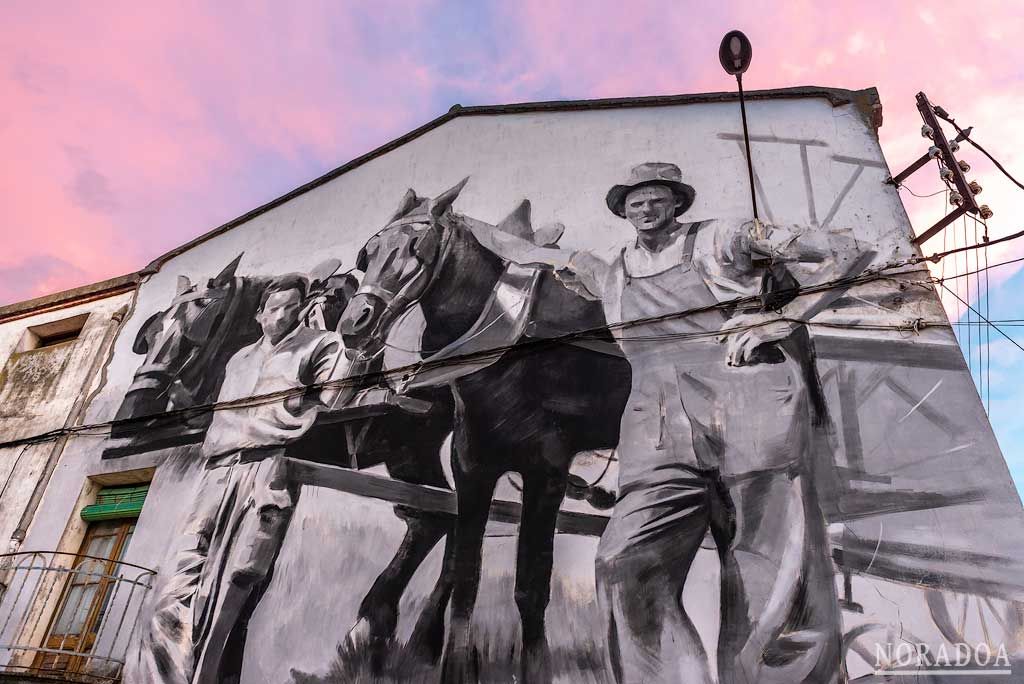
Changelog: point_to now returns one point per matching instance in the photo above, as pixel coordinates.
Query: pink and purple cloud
(130, 128)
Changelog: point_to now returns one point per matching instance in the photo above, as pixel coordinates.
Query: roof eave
(72, 297)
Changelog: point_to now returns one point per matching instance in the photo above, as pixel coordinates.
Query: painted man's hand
(293, 404)
(297, 404)
(751, 330)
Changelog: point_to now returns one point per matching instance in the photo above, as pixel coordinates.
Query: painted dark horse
(528, 413)
(186, 348)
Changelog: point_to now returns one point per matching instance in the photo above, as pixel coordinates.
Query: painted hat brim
(616, 197)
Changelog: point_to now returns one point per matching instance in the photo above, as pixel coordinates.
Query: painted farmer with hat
(716, 438)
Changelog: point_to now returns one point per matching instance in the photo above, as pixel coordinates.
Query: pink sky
(130, 128)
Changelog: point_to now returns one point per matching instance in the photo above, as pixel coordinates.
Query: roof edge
(72, 297)
(866, 99)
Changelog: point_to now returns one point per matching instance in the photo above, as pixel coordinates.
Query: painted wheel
(970, 618)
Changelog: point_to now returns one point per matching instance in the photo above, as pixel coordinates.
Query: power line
(738, 303)
(1014, 324)
(903, 186)
(983, 295)
(940, 255)
(988, 334)
(996, 327)
(981, 270)
(967, 287)
(945, 116)
(367, 379)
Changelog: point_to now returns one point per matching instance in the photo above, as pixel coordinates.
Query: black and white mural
(562, 412)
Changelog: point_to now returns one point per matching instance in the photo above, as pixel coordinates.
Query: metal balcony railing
(68, 616)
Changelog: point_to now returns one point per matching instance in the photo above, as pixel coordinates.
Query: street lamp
(735, 53)
(778, 285)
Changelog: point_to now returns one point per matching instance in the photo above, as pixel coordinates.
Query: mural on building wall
(668, 399)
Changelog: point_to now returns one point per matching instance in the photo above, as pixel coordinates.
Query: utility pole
(951, 171)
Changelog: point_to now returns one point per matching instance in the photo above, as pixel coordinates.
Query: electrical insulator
(975, 187)
(954, 146)
(926, 131)
(934, 152)
(956, 199)
(985, 212)
(964, 166)
(946, 174)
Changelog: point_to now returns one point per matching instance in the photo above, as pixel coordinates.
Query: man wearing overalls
(716, 437)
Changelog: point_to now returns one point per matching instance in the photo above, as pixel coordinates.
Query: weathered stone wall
(38, 390)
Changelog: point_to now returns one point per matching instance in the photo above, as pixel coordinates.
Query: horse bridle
(401, 300)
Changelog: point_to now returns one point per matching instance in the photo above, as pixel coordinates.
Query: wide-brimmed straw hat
(652, 173)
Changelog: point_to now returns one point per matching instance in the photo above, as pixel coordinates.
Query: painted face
(280, 314)
(651, 208)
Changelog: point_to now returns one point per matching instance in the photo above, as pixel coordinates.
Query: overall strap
(688, 242)
(691, 239)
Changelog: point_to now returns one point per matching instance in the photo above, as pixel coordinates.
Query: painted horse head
(401, 263)
(183, 343)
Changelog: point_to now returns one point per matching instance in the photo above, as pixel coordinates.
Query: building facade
(54, 350)
(525, 395)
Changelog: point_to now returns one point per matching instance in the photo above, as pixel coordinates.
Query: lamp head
(735, 53)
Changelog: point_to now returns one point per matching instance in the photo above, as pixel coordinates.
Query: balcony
(67, 617)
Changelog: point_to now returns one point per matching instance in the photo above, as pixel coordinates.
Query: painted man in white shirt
(244, 498)
(716, 438)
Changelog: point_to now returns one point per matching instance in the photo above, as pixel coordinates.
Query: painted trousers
(223, 564)
(779, 613)
(706, 448)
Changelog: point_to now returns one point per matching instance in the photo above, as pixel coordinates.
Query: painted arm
(326, 364)
(836, 253)
(838, 258)
(516, 249)
(578, 270)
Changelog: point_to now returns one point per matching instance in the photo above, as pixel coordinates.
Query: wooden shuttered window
(113, 503)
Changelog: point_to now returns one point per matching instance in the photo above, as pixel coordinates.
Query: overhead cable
(886, 272)
(945, 116)
(994, 326)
